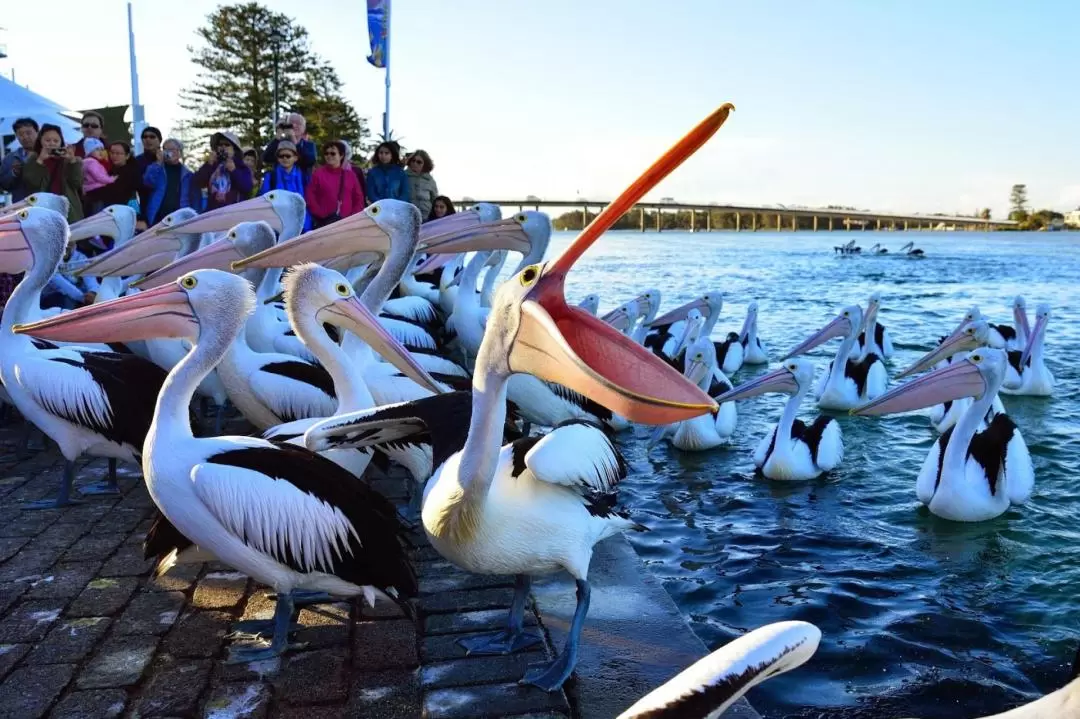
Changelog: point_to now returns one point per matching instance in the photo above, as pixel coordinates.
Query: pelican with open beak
(535, 508)
(151, 250)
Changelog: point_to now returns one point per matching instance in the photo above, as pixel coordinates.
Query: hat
(229, 137)
(90, 144)
(151, 130)
(287, 145)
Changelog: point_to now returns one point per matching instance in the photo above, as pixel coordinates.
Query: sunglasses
(330, 152)
(286, 156)
(91, 125)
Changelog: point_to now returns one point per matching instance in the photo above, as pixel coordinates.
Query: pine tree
(329, 116)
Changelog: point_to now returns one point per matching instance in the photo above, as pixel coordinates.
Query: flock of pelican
(378, 340)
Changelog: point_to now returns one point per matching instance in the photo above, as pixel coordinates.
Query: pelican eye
(271, 196)
(529, 275)
(32, 199)
(847, 314)
(373, 210)
(792, 367)
(24, 214)
(976, 357)
(188, 282)
(232, 235)
(342, 289)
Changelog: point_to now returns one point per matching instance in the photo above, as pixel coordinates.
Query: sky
(888, 105)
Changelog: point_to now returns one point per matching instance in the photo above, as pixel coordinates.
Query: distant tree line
(1018, 211)
(720, 220)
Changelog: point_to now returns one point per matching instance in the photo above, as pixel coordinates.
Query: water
(920, 616)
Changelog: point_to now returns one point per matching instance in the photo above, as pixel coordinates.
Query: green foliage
(1040, 220)
(235, 86)
(1018, 199)
(984, 213)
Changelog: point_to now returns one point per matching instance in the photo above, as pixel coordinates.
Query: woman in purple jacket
(225, 179)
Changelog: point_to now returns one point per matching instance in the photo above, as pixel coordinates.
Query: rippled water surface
(921, 617)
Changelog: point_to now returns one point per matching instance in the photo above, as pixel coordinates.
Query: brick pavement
(85, 632)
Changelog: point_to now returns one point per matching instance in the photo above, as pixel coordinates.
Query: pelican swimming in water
(974, 471)
(848, 382)
(873, 336)
(590, 303)
(1036, 380)
(705, 431)
(877, 249)
(540, 504)
(793, 450)
(911, 250)
(753, 351)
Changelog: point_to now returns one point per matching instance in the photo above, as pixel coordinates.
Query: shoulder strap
(341, 187)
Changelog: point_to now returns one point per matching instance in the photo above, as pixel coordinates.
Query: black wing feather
(860, 370)
(306, 372)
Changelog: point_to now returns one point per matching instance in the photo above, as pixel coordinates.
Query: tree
(1018, 200)
(985, 213)
(235, 86)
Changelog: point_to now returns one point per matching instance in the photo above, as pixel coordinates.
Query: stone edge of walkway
(634, 639)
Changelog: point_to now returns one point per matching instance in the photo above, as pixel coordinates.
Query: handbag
(336, 215)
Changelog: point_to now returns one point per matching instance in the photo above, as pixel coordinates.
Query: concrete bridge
(768, 217)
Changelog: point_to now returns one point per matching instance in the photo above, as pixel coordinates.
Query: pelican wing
(828, 450)
(410, 307)
(111, 394)
(408, 334)
(930, 473)
(293, 389)
(576, 454)
(307, 513)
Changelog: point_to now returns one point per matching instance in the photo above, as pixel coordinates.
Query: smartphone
(169, 154)
(59, 151)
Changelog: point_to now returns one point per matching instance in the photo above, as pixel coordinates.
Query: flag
(378, 23)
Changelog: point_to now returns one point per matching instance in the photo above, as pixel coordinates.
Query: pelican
(539, 504)
(953, 349)
(1035, 377)
(911, 250)
(282, 515)
(590, 303)
(705, 431)
(793, 450)
(753, 351)
(1000, 337)
(877, 249)
(146, 252)
(848, 382)
(712, 684)
(873, 337)
(648, 303)
(667, 328)
(46, 200)
(88, 402)
(970, 474)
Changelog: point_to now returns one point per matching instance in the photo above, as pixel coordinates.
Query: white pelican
(88, 402)
(953, 349)
(1020, 322)
(911, 250)
(970, 474)
(46, 200)
(877, 249)
(873, 337)
(590, 303)
(663, 340)
(708, 687)
(1036, 380)
(753, 351)
(648, 305)
(494, 267)
(276, 512)
(526, 232)
(793, 450)
(704, 431)
(848, 382)
(540, 504)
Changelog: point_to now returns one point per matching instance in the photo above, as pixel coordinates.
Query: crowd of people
(94, 173)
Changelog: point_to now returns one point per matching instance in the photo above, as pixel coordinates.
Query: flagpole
(386, 62)
(137, 121)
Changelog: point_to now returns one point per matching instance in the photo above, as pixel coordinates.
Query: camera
(222, 154)
(169, 154)
(58, 151)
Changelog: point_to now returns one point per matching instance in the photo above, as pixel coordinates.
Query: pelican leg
(551, 676)
(219, 421)
(109, 486)
(279, 644)
(63, 498)
(305, 598)
(251, 629)
(512, 639)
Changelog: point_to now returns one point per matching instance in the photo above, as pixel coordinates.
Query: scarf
(55, 167)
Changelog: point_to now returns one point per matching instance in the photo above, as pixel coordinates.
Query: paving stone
(88, 514)
(387, 644)
(10, 545)
(137, 500)
(478, 670)
(426, 554)
(324, 625)
(174, 689)
(220, 590)
(120, 662)
(180, 578)
(238, 701)
(120, 520)
(103, 596)
(468, 622)
(452, 581)
(93, 704)
(97, 547)
(198, 634)
(29, 691)
(29, 564)
(491, 700)
(10, 654)
(30, 620)
(10, 593)
(69, 641)
(309, 677)
(151, 613)
(28, 524)
(58, 536)
(391, 694)
(127, 562)
(64, 581)
(382, 610)
(467, 601)
(310, 712)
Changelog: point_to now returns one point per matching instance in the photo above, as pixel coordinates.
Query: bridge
(712, 216)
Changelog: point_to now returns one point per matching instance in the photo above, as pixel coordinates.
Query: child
(95, 172)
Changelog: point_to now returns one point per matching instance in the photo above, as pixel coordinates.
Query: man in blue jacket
(169, 182)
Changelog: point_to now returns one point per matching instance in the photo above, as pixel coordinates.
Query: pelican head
(31, 238)
(870, 317)
(358, 239)
(115, 221)
(525, 232)
(709, 304)
(700, 361)
(319, 294)
(236, 244)
(844, 324)
(282, 210)
(44, 200)
(623, 317)
(970, 336)
(146, 252)
(1042, 316)
(793, 376)
(590, 303)
(972, 315)
(981, 371)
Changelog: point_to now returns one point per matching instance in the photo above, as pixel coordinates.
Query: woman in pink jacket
(334, 192)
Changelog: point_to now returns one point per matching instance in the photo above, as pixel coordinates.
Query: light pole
(276, 38)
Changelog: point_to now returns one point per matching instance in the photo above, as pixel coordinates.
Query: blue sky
(907, 106)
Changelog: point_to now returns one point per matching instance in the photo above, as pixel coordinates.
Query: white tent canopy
(17, 100)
